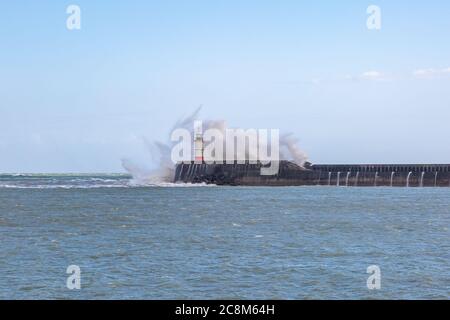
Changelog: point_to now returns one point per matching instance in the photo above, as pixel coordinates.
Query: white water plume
(290, 150)
(161, 152)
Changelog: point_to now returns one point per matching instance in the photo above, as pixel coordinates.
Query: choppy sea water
(178, 241)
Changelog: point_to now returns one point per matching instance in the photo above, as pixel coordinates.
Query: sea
(103, 236)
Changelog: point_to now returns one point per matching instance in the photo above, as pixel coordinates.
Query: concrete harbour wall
(289, 174)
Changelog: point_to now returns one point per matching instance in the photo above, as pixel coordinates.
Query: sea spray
(165, 168)
(161, 154)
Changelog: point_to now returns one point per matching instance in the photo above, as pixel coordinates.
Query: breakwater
(290, 174)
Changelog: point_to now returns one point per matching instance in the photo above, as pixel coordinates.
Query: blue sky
(81, 100)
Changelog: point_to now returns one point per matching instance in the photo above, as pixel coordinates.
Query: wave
(84, 181)
(162, 151)
(175, 185)
(128, 184)
(61, 186)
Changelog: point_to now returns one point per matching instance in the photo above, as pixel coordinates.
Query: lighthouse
(198, 142)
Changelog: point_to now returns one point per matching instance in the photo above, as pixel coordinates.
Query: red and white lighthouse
(198, 142)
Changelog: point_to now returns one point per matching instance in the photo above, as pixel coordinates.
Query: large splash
(165, 168)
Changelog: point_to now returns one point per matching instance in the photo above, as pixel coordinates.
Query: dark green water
(220, 242)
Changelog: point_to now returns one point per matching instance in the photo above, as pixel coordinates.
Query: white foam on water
(122, 184)
(60, 186)
(171, 184)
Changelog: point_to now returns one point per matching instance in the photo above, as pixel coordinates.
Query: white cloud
(424, 72)
(372, 75)
(368, 76)
(430, 73)
(378, 76)
(36, 139)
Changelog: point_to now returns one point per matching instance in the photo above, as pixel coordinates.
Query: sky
(82, 100)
